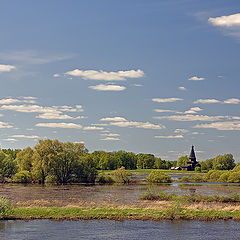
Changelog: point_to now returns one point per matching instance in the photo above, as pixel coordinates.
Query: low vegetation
(156, 176)
(5, 208)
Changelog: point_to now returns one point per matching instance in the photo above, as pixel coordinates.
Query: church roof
(192, 154)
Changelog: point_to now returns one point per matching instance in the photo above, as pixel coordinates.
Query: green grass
(234, 198)
(175, 212)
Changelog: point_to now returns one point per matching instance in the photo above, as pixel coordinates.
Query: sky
(150, 76)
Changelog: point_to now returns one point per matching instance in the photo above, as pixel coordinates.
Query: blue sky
(150, 76)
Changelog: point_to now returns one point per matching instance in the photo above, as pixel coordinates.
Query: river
(73, 230)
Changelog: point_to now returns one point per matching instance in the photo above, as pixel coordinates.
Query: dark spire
(192, 156)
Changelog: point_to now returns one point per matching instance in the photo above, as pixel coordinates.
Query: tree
(182, 161)
(207, 164)
(45, 153)
(145, 161)
(159, 163)
(224, 162)
(24, 159)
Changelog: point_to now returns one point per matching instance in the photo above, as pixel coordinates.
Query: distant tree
(9, 166)
(207, 164)
(160, 164)
(145, 161)
(125, 159)
(182, 161)
(224, 162)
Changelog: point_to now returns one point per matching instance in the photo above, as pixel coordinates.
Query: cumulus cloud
(164, 111)
(24, 136)
(195, 78)
(190, 117)
(182, 88)
(6, 68)
(166, 100)
(56, 75)
(226, 21)
(193, 110)
(9, 101)
(232, 125)
(232, 101)
(59, 125)
(93, 128)
(207, 101)
(170, 137)
(110, 87)
(145, 125)
(114, 119)
(5, 125)
(110, 139)
(106, 76)
(53, 116)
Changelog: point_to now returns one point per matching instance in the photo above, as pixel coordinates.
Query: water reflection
(164, 230)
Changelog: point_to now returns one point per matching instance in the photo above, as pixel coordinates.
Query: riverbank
(175, 212)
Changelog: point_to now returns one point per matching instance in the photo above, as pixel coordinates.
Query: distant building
(192, 163)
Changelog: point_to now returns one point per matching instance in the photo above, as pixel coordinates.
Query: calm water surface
(165, 230)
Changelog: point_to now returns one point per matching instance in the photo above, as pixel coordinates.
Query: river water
(73, 230)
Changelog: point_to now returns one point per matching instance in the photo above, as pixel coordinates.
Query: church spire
(192, 156)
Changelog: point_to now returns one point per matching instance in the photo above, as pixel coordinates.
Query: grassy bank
(174, 212)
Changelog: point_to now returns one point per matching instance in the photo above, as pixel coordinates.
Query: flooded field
(101, 195)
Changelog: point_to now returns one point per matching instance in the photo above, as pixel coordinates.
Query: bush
(224, 177)
(120, 175)
(184, 179)
(157, 176)
(5, 208)
(234, 177)
(196, 178)
(50, 179)
(212, 175)
(104, 179)
(22, 177)
(197, 169)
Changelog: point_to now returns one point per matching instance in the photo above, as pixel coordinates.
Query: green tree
(224, 162)
(159, 163)
(145, 161)
(182, 161)
(24, 159)
(9, 166)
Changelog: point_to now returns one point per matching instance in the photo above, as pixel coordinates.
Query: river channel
(164, 230)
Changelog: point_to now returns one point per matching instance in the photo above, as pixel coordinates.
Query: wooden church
(192, 163)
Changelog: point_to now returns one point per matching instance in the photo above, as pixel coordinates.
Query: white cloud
(5, 125)
(104, 87)
(195, 133)
(99, 124)
(193, 110)
(59, 125)
(182, 88)
(207, 101)
(178, 130)
(232, 101)
(145, 125)
(164, 111)
(9, 101)
(93, 128)
(29, 98)
(106, 76)
(114, 119)
(41, 109)
(10, 140)
(138, 85)
(6, 68)
(170, 137)
(24, 136)
(195, 78)
(233, 125)
(56, 75)
(54, 116)
(110, 134)
(190, 117)
(226, 21)
(110, 139)
(166, 100)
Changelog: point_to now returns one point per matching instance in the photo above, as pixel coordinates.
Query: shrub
(224, 177)
(212, 175)
(22, 177)
(104, 179)
(197, 169)
(184, 179)
(157, 176)
(50, 179)
(196, 178)
(234, 177)
(5, 208)
(120, 175)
